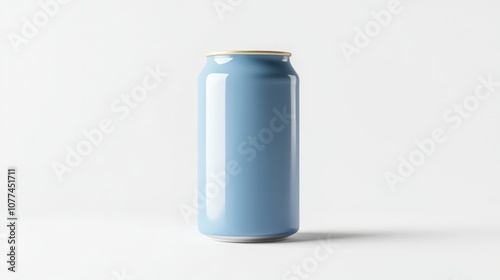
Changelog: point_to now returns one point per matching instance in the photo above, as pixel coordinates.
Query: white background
(116, 215)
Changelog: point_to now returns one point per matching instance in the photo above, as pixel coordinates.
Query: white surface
(154, 250)
(119, 208)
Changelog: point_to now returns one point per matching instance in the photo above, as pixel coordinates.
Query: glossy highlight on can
(248, 147)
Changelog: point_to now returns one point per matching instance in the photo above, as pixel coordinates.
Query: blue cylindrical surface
(248, 165)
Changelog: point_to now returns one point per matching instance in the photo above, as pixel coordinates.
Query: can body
(248, 161)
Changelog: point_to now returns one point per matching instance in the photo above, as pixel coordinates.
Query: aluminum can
(248, 148)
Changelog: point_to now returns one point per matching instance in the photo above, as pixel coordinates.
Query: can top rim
(250, 52)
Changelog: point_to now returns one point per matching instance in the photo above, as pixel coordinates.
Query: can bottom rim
(247, 239)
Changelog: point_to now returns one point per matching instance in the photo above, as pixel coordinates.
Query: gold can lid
(250, 53)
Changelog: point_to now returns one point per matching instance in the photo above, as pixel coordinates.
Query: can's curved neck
(223, 59)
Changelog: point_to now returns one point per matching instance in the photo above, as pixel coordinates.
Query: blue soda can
(248, 161)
